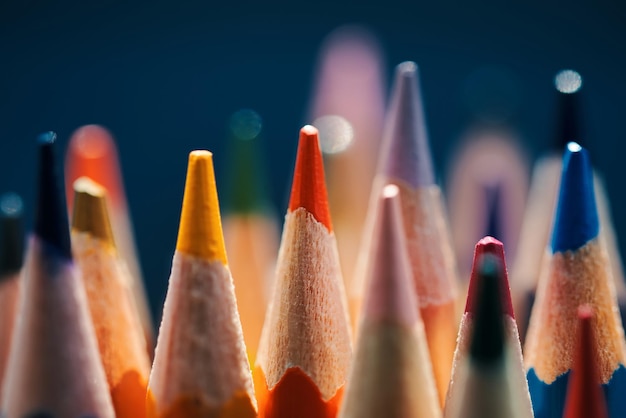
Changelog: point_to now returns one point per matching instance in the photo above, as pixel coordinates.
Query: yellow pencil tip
(90, 210)
(200, 230)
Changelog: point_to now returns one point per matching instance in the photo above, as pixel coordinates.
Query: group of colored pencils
(76, 337)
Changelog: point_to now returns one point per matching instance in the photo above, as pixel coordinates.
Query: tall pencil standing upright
(305, 347)
(391, 375)
(54, 364)
(92, 153)
(488, 376)
(406, 162)
(200, 366)
(11, 257)
(576, 273)
(113, 311)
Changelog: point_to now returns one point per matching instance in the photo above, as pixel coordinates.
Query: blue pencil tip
(11, 234)
(51, 222)
(576, 219)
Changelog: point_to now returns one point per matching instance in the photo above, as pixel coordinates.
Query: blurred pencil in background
(251, 230)
(406, 162)
(200, 366)
(11, 259)
(585, 396)
(577, 272)
(488, 378)
(347, 108)
(305, 349)
(54, 365)
(92, 153)
(113, 311)
(391, 375)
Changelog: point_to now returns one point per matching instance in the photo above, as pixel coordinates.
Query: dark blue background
(164, 77)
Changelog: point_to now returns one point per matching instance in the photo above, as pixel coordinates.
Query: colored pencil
(585, 397)
(11, 258)
(577, 272)
(113, 311)
(486, 192)
(391, 375)
(251, 234)
(92, 153)
(348, 107)
(488, 375)
(54, 364)
(200, 366)
(305, 349)
(406, 162)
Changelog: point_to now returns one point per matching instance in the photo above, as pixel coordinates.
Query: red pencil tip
(308, 190)
(489, 245)
(585, 397)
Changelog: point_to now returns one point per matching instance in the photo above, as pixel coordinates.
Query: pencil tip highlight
(576, 220)
(90, 213)
(200, 230)
(51, 222)
(308, 190)
(407, 151)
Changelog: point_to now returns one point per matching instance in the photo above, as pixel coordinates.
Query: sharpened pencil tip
(12, 234)
(200, 230)
(487, 341)
(407, 152)
(51, 224)
(576, 220)
(90, 213)
(489, 246)
(308, 190)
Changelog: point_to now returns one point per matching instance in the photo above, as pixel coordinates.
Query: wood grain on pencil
(54, 365)
(113, 310)
(391, 375)
(305, 347)
(200, 367)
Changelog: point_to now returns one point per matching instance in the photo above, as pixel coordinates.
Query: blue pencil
(577, 272)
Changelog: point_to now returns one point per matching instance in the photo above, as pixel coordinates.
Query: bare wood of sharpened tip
(391, 375)
(200, 366)
(54, 364)
(92, 153)
(113, 311)
(305, 347)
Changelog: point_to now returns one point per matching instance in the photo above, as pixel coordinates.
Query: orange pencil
(113, 311)
(391, 375)
(11, 255)
(305, 347)
(92, 153)
(54, 364)
(406, 162)
(200, 366)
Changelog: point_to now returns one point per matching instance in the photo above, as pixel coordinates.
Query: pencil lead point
(407, 151)
(487, 341)
(308, 190)
(568, 84)
(494, 248)
(90, 210)
(576, 220)
(12, 234)
(200, 231)
(51, 223)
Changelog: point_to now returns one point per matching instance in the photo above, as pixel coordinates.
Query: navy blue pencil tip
(11, 234)
(51, 222)
(576, 221)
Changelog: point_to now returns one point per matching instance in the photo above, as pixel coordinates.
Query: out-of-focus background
(166, 77)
